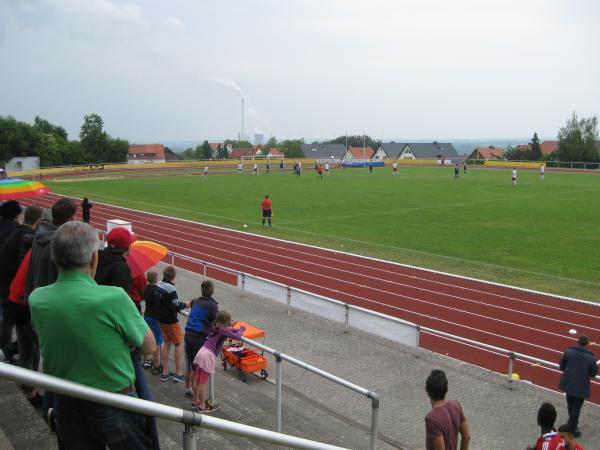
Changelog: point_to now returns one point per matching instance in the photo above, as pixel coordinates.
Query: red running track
(526, 322)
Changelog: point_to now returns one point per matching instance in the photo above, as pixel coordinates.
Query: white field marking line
(356, 255)
(259, 251)
(491, 305)
(373, 289)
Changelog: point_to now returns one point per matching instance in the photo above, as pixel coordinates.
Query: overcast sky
(174, 70)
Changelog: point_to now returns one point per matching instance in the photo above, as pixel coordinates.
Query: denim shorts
(153, 324)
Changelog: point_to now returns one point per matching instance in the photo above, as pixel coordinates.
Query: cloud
(227, 83)
(257, 123)
(174, 23)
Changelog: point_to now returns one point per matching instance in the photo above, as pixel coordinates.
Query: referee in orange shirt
(267, 210)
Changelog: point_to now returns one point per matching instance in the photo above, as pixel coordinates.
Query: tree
(205, 151)
(271, 143)
(93, 139)
(509, 153)
(356, 140)
(536, 150)
(292, 148)
(222, 152)
(577, 140)
(17, 139)
(47, 128)
(188, 153)
(117, 151)
(238, 144)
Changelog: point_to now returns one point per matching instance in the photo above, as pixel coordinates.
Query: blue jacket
(202, 315)
(578, 365)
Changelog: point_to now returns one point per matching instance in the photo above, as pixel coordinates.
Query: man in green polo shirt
(86, 332)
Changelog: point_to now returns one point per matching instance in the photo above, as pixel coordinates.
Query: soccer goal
(261, 161)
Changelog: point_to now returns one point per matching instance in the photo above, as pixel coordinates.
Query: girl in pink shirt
(206, 357)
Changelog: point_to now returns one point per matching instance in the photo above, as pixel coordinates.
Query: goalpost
(261, 161)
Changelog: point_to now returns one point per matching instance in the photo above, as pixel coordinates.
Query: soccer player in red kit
(267, 210)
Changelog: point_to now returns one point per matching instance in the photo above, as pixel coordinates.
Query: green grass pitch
(541, 235)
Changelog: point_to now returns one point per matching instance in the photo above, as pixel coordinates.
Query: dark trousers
(7, 326)
(574, 405)
(84, 425)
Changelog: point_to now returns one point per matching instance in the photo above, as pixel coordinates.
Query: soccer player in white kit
(395, 168)
(240, 168)
(326, 168)
(255, 169)
(205, 170)
(542, 172)
(514, 176)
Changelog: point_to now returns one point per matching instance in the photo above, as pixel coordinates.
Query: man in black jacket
(578, 365)
(42, 272)
(9, 264)
(113, 269)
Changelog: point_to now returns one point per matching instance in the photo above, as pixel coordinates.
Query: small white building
(23, 163)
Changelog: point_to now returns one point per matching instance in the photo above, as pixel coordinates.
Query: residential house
(324, 151)
(170, 155)
(487, 153)
(549, 147)
(390, 150)
(434, 150)
(146, 153)
(237, 153)
(359, 153)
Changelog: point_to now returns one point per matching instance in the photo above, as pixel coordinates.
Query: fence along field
(540, 234)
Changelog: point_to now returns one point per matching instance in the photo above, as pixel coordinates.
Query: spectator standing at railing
(446, 419)
(42, 272)
(136, 290)
(113, 269)
(86, 331)
(9, 216)
(206, 357)
(203, 312)
(9, 264)
(151, 298)
(86, 206)
(168, 307)
(578, 365)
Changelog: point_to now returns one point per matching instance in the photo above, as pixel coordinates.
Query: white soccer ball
(245, 226)
(572, 331)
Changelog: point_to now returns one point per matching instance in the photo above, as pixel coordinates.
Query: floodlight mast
(242, 135)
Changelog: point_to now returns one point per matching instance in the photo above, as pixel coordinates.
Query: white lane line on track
(389, 293)
(354, 274)
(229, 243)
(358, 241)
(431, 291)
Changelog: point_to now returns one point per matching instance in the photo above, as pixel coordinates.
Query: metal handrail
(511, 354)
(188, 418)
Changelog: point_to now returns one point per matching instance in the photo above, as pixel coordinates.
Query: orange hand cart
(245, 359)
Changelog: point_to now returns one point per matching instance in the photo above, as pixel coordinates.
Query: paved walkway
(500, 415)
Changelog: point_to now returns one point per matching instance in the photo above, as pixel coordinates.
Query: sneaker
(156, 370)
(178, 378)
(577, 434)
(37, 401)
(166, 377)
(147, 364)
(188, 392)
(209, 409)
(51, 419)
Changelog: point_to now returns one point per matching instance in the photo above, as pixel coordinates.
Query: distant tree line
(50, 142)
(577, 142)
(357, 140)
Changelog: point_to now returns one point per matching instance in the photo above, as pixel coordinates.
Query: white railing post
(511, 366)
(346, 317)
(211, 388)
(189, 438)
(374, 418)
(289, 299)
(278, 386)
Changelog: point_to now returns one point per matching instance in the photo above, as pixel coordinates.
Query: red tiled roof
(362, 152)
(214, 147)
(147, 151)
(549, 147)
(275, 152)
(237, 153)
(490, 153)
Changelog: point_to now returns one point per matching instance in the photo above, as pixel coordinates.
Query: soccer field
(541, 235)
